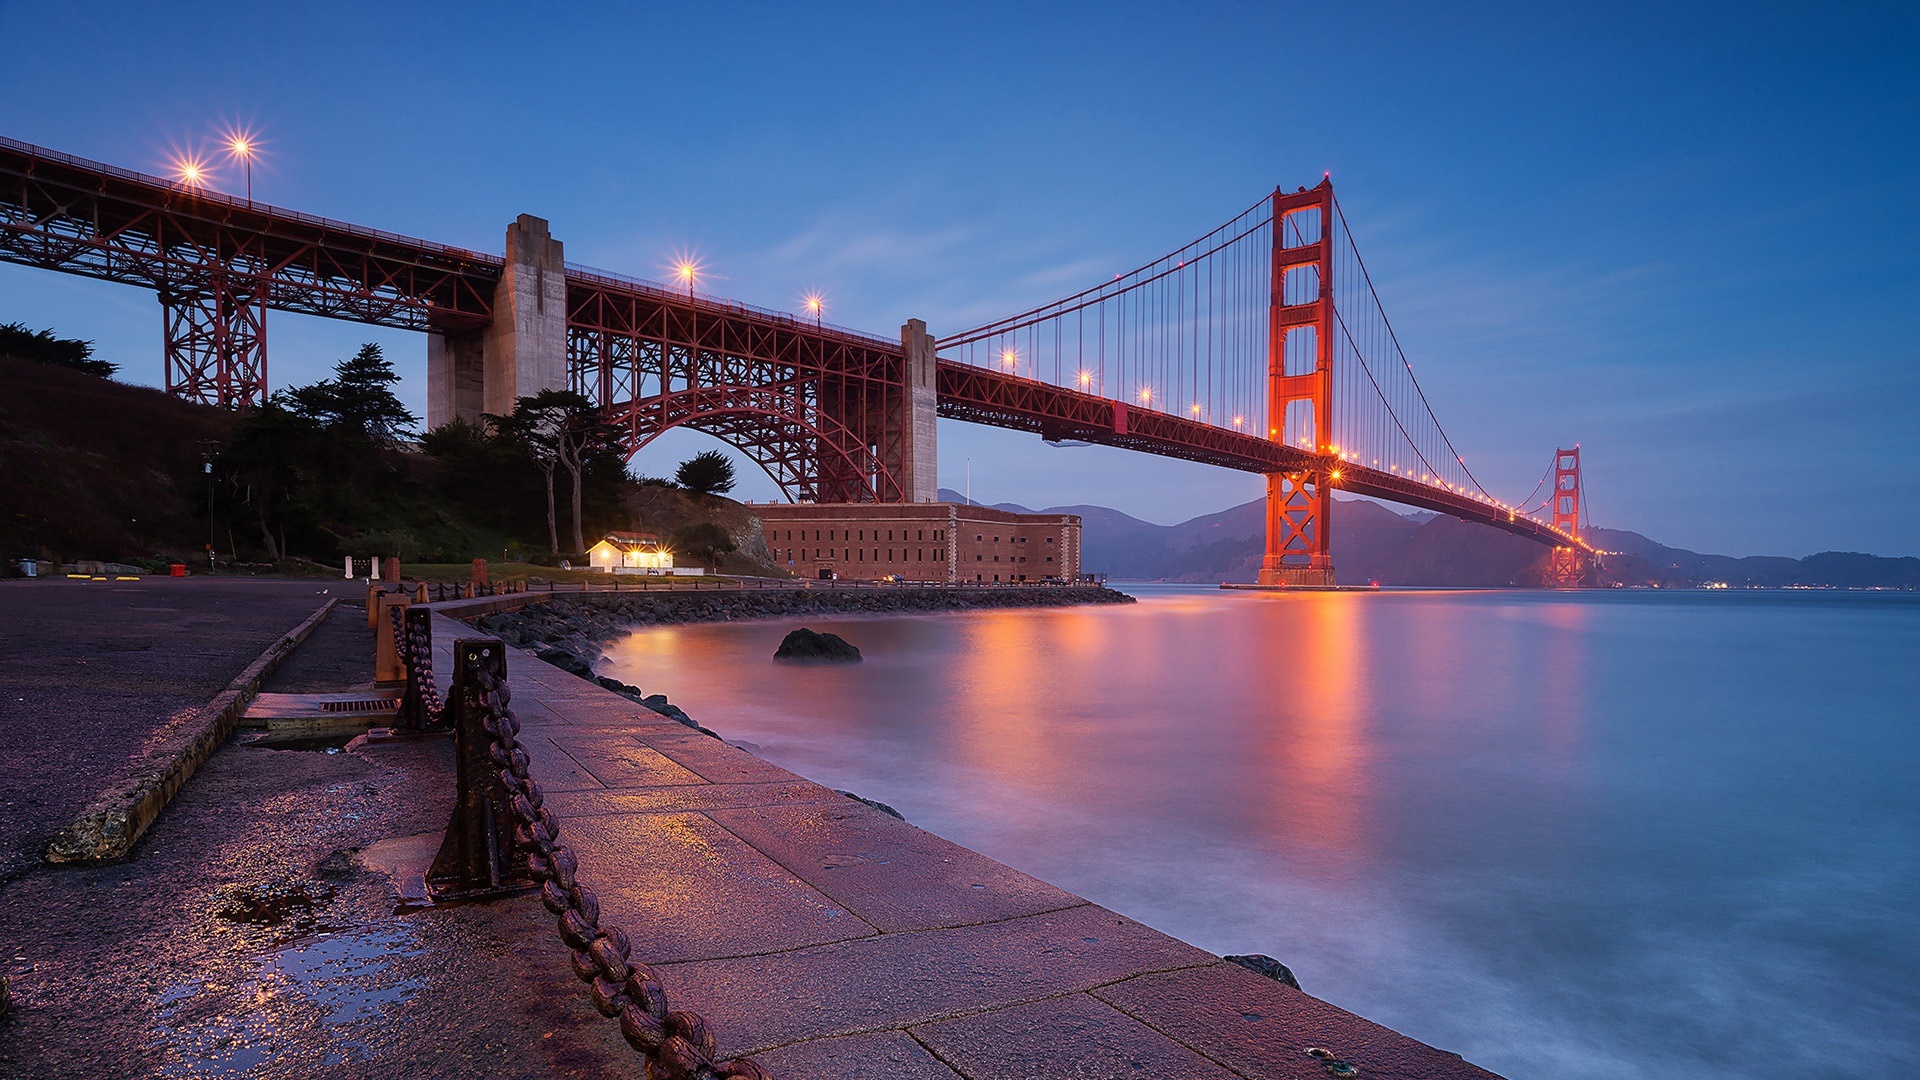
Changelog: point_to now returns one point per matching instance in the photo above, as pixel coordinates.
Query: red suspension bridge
(1262, 346)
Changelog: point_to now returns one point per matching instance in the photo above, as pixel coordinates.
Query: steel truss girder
(216, 342)
(79, 217)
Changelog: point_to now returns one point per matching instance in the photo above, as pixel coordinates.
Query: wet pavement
(254, 930)
(92, 670)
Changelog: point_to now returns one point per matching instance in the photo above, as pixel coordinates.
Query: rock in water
(1262, 964)
(804, 644)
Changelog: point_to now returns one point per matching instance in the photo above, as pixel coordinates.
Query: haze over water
(1563, 834)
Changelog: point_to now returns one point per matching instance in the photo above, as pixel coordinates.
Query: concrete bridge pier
(919, 473)
(523, 351)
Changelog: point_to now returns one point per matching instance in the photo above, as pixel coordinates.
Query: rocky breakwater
(577, 626)
(568, 632)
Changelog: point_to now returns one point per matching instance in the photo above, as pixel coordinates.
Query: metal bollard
(479, 858)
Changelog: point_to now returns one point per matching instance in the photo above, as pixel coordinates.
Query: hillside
(99, 469)
(91, 468)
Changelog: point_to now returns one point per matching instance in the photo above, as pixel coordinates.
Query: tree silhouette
(560, 429)
(709, 473)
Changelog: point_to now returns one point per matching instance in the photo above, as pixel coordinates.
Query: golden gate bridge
(1262, 346)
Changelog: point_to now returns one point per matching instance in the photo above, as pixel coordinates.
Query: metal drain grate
(369, 705)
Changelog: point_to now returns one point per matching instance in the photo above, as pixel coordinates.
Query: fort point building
(930, 542)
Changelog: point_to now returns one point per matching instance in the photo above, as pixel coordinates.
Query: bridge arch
(810, 455)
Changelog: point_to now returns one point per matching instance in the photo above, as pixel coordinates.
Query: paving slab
(1263, 1028)
(898, 980)
(893, 875)
(691, 797)
(886, 1055)
(1077, 1036)
(716, 761)
(622, 762)
(686, 889)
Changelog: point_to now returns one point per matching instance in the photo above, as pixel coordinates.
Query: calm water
(1566, 835)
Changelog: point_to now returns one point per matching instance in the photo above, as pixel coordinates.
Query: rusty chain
(678, 1045)
(416, 651)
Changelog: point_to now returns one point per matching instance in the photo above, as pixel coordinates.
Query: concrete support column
(919, 480)
(523, 351)
(456, 377)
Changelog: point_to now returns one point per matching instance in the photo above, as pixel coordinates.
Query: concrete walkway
(829, 939)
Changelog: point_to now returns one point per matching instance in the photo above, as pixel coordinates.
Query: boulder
(875, 803)
(1262, 964)
(804, 644)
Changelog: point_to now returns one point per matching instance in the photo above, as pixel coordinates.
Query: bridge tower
(1300, 388)
(1568, 568)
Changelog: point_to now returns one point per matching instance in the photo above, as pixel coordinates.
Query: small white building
(631, 553)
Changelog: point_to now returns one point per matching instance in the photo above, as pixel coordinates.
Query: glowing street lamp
(1146, 396)
(1239, 421)
(1009, 359)
(815, 304)
(1195, 410)
(687, 271)
(190, 171)
(241, 145)
(1086, 378)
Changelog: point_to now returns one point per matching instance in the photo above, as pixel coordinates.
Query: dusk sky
(1686, 237)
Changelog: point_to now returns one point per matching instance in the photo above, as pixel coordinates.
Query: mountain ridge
(1373, 543)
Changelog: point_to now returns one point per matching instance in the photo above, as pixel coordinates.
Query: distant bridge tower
(1568, 568)
(1300, 388)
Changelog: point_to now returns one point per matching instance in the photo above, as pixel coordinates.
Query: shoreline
(580, 624)
(567, 632)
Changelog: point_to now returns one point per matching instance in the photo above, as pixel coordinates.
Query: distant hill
(1374, 543)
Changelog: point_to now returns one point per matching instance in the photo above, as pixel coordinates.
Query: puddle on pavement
(317, 991)
(275, 903)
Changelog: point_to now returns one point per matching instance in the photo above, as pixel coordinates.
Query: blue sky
(1685, 236)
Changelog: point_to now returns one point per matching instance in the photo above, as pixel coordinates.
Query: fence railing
(438, 591)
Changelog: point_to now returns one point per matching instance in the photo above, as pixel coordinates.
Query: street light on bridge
(687, 272)
(241, 144)
(189, 170)
(815, 304)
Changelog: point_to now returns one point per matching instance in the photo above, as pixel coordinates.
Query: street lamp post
(241, 148)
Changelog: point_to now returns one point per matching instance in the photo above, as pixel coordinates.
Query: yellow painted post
(389, 669)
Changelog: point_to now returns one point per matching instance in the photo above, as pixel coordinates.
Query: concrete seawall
(827, 938)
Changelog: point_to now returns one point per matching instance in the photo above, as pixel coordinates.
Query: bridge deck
(829, 939)
(983, 396)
